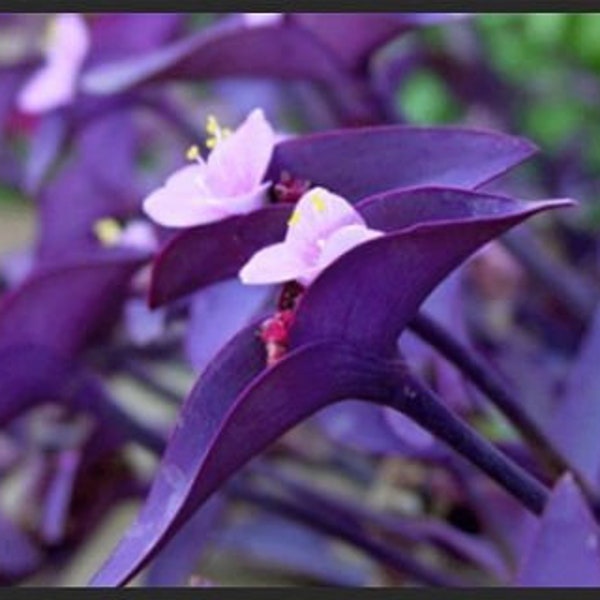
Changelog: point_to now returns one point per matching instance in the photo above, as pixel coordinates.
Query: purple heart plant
(264, 338)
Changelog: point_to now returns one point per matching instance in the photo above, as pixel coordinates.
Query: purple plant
(312, 287)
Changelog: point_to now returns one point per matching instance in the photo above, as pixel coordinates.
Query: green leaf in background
(425, 98)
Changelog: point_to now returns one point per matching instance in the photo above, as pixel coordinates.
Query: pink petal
(274, 264)
(259, 19)
(182, 202)
(238, 163)
(69, 39)
(317, 215)
(55, 83)
(245, 203)
(341, 241)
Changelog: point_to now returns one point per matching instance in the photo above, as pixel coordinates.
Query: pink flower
(227, 183)
(54, 84)
(322, 227)
(259, 19)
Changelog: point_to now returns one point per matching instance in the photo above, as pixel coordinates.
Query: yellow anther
(193, 153)
(212, 125)
(215, 132)
(108, 231)
(294, 219)
(318, 203)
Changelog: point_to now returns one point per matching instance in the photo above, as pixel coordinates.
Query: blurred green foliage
(552, 59)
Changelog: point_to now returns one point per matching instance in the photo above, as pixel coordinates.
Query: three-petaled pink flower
(322, 227)
(228, 183)
(55, 83)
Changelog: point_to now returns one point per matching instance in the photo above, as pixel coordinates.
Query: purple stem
(482, 376)
(412, 398)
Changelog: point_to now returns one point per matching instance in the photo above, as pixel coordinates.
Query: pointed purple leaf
(62, 306)
(221, 427)
(367, 161)
(209, 253)
(176, 563)
(565, 551)
(354, 163)
(353, 298)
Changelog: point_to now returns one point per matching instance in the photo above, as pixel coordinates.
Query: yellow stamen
(215, 132)
(108, 231)
(193, 153)
(294, 219)
(318, 203)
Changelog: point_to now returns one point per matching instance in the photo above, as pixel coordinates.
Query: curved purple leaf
(355, 163)
(209, 253)
(370, 160)
(566, 550)
(221, 427)
(125, 35)
(230, 48)
(352, 299)
(88, 189)
(31, 375)
(62, 306)
(175, 565)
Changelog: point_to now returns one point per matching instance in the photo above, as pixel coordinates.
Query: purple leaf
(220, 429)
(238, 407)
(209, 253)
(174, 565)
(351, 299)
(575, 422)
(106, 185)
(125, 35)
(62, 306)
(565, 551)
(30, 375)
(349, 163)
(370, 160)
(227, 49)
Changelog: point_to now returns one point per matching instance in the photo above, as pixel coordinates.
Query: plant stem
(481, 375)
(412, 398)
